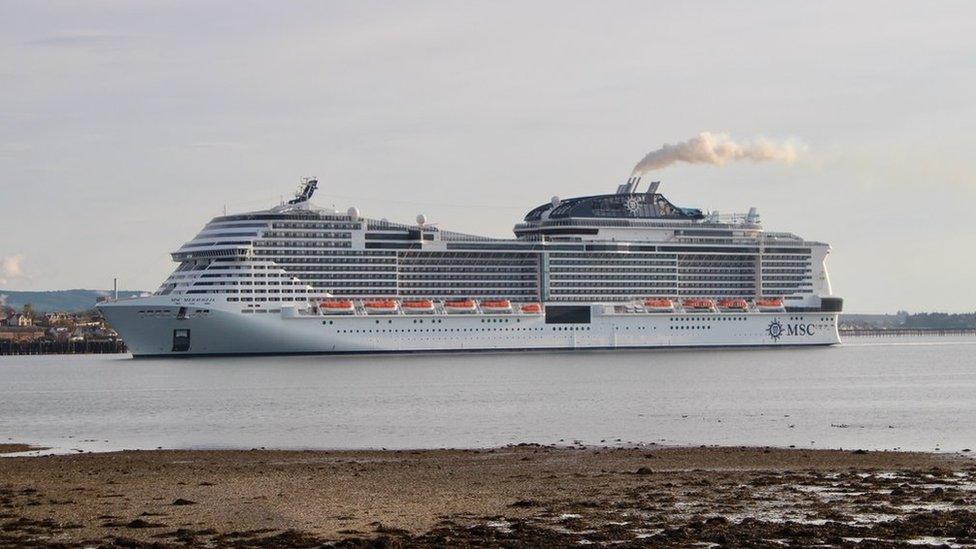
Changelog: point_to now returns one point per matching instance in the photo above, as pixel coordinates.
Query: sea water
(910, 393)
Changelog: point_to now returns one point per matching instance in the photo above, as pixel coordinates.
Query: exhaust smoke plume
(10, 267)
(715, 149)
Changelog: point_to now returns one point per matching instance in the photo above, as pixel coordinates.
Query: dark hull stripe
(514, 349)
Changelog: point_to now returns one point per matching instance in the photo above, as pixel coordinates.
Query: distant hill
(876, 320)
(57, 300)
(902, 319)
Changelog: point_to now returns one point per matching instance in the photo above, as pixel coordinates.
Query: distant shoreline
(526, 494)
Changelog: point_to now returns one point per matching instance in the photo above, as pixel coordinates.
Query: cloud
(10, 268)
(716, 149)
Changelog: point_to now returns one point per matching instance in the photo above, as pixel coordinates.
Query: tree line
(941, 320)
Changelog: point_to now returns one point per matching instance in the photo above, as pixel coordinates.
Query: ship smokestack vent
(629, 186)
(753, 215)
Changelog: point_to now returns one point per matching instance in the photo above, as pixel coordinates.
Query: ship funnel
(653, 188)
(753, 215)
(629, 186)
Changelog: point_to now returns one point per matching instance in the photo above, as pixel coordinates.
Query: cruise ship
(627, 270)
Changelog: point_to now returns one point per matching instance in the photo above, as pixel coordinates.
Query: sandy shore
(523, 496)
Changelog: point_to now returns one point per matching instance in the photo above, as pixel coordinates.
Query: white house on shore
(18, 320)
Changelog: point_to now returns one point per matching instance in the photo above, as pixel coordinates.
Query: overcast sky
(125, 126)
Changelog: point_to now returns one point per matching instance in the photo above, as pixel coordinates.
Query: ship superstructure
(628, 269)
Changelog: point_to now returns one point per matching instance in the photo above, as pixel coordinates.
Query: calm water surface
(874, 393)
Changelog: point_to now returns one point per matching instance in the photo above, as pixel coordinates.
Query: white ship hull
(153, 326)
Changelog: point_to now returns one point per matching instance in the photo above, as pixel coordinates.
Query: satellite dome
(421, 219)
(556, 201)
(353, 213)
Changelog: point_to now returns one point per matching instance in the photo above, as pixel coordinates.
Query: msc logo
(776, 330)
(799, 329)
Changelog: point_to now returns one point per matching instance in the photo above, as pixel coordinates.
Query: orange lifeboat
(658, 305)
(337, 307)
(418, 306)
(380, 306)
(532, 309)
(770, 304)
(460, 306)
(496, 306)
(734, 304)
(698, 305)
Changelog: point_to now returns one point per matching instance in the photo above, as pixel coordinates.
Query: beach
(523, 495)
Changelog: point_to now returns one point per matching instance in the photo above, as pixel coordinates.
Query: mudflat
(525, 495)
(9, 448)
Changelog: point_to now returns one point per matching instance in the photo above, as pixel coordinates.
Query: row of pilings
(49, 347)
(894, 332)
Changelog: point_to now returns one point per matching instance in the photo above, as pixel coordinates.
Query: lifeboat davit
(380, 306)
(698, 305)
(460, 306)
(734, 304)
(659, 305)
(532, 309)
(496, 306)
(415, 306)
(337, 307)
(771, 304)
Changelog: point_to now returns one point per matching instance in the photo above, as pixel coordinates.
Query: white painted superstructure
(582, 273)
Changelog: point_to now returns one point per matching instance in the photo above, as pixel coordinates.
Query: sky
(125, 126)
